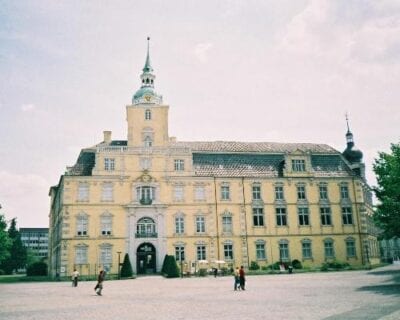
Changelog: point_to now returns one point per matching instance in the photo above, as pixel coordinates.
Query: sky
(268, 70)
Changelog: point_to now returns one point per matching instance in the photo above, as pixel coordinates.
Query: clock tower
(147, 116)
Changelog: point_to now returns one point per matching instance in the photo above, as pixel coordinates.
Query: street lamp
(119, 264)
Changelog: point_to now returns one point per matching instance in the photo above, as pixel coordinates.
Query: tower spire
(146, 93)
(147, 66)
(349, 135)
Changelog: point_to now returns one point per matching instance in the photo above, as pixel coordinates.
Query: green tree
(17, 257)
(5, 242)
(126, 270)
(387, 170)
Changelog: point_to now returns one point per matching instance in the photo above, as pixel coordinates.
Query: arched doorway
(146, 259)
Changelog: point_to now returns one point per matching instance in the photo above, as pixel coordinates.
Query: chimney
(107, 136)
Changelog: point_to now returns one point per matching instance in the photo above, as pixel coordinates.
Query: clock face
(147, 98)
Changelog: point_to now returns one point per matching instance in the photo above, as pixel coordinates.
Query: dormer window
(298, 165)
(147, 114)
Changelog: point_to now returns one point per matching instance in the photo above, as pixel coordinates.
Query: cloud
(27, 107)
(335, 31)
(24, 196)
(201, 51)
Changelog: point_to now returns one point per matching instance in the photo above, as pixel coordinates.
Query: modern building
(36, 240)
(205, 202)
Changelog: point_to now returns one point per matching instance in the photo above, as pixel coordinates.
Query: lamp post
(119, 264)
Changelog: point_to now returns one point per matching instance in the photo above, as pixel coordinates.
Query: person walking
(100, 279)
(75, 276)
(236, 278)
(242, 278)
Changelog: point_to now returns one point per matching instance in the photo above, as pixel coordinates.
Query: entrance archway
(146, 259)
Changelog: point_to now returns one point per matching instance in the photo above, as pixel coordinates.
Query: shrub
(126, 270)
(297, 264)
(202, 272)
(37, 269)
(254, 266)
(170, 268)
(334, 265)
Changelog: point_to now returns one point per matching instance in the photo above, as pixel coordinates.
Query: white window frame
(81, 254)
(179, 165)
(107, 191)
(83, 191)
(200, 224)
(298, 165)
(109, 164)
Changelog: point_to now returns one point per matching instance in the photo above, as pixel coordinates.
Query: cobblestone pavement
(366, 295)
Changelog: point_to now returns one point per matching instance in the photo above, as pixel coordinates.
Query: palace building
(207, 202)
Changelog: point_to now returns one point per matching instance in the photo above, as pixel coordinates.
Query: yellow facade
(206, 202)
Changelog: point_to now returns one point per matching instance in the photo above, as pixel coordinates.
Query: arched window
(146, 228)
(147, 114)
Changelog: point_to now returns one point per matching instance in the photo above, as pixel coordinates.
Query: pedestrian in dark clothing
(99, 286)
(236, 284)
(242, 278)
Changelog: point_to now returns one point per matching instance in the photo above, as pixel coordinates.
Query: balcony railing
(146, 201)
(146, 235)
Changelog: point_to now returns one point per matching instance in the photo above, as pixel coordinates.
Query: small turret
(351, 153)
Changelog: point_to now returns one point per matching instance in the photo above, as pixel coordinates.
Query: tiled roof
(268, 147)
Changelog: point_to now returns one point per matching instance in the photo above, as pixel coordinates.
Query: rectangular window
(260, 251)
(201, 252)
(306, 250)
(256, 192)
(200, 224)
(258, 217)
(178, 193)
(199, 193)
(81, 255)
(281, 216)
(179, 253)
(107, 192)
(304, 217)
(179, 225)
(350, 248)
(228, 251)
(284, 251)
(298, 165)
(347, 216)
(145, 194)
(83, 191)
(329, 250)
(179, 165)
(109, 164)
(225, 194)
(106, 225)
(301, 193)
(279, 193)
(344, 191)
(227, 224)
(325, 216)
(323, 192)
(81, 226)
(105, 256)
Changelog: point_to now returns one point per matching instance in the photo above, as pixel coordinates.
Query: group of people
(239, 279)
(100, 279)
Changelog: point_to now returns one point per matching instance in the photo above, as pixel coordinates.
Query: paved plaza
(363, 295)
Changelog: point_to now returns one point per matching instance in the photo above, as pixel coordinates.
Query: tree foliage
(5, 242)
(387, 170)
(37, 269)
(126, 270)
(17, 252)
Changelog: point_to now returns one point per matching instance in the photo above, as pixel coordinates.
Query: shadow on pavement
(390, 286)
